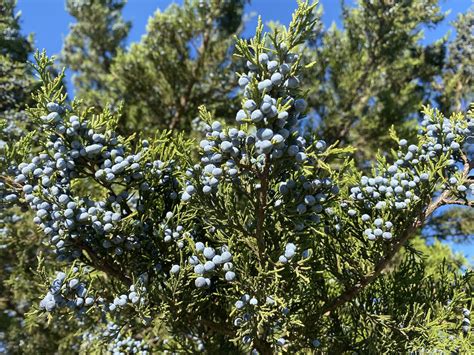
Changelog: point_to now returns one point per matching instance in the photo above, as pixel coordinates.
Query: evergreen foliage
(122, 235)
(16, 81)
(93, 43)
(374, 72)
(183, 61)
(456, 90)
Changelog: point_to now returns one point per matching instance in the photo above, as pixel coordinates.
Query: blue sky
(49, 22)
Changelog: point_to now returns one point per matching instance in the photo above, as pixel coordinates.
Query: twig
(262, 206)
(101, 264)
(185, 98)
(353, 291)
(459, 202)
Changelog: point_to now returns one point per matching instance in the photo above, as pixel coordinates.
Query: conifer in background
(455, 91)
(183, 60)
(16, 81)
(374, 72)
(94, 41)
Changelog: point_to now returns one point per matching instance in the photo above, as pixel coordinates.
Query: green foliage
(16, 82)
(173, 60)
(454, 224)
(374, 72)
(340, 292)
(13, 45)
(456, 87)
(19, 244)
(91, 46)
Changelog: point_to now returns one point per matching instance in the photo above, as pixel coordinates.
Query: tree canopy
(282, 193)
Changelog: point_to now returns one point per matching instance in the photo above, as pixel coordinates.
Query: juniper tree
(374, 72)
(414, 66)
(183, 61)
(16, 81)
(16, 84)
(93, 42)
(20, 243)
(454, 91)
(270, 241)
(456, 87)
